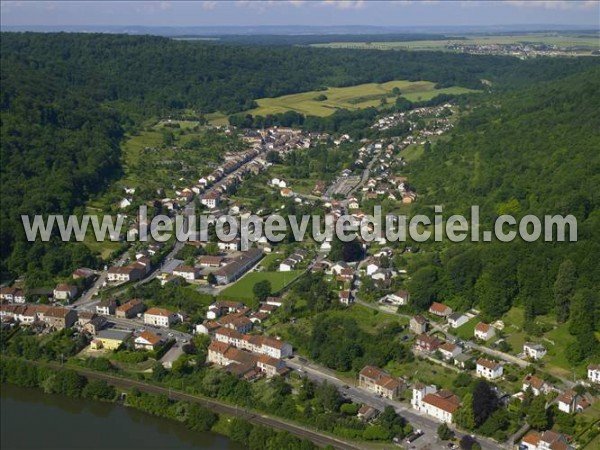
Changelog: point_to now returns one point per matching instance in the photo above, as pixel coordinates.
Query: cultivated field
(563, 41)
(351, 98)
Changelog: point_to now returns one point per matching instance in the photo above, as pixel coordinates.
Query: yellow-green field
(589, 41)
(352, 97)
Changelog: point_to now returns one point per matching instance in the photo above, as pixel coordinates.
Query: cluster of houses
(437, 125)
(249, 356)
(227, 177)
(292, 261)
(131, 272)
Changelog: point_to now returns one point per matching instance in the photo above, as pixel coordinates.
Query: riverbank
(257, 430)
(72, 423)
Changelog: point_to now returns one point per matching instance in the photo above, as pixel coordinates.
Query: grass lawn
(466, 331)
(413, 152)
(351, 97)
(242, 289)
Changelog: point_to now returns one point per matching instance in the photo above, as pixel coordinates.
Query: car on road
(171, 335)
(414, 436)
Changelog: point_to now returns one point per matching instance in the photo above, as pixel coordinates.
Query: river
(30, 419)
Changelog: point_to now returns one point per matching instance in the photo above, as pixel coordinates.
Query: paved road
(224, 408)
(418, 420)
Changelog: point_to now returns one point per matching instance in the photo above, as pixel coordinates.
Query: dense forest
(532, 151)
(66, 100)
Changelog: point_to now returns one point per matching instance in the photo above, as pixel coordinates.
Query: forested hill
(533, 151)
(160, 74)
(66, 98)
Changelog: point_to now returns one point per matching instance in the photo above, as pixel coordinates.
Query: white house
(372, 267)
(490, 370)
(287, 265)
(160, 317)
(65, 292)
(567, 401)
(210, 200)
(536, 384)
(400, 298)
(188, 273)
(449, 350)
(534, 351)
(457, 319)
(441, 404)
(484, 331)
(594, 373)
(146, 341)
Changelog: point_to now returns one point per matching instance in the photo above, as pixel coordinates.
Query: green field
(352, 97)
(242, 289)
(566, 41)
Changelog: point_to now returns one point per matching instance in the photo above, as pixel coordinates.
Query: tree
(564, 288)
(464, 416)
(262, 290)
(469, 443)
(444, 433)
(537, 417)
(212, 279)
(485, 402)
(200, 418)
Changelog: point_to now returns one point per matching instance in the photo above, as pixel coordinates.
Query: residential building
(398, 298)
(427, 344)
(439, 309)
(238, 266)
(449, 350)
(381, 383)
(110, 339)
(147, 341)
(457, 319)
(484, 331)
(490, 370)
(548, 440)
(60, 318)
(567, 401)
(594, 373)
(237, 322)
(439, 404)
(211, 261)
(130, 309)
(418, 325)
(107, 307)
(221, 307)
(95, 325)
(133, 272)
(210, 199)
(536, 384)
(346, 297)
(534, 351)
(189, 273)
(66, 292)
(160, 317)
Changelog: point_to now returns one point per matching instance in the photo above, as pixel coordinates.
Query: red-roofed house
(439, 309)
(484, 331)
(376, 380)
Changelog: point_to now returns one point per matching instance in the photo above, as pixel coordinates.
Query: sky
(299, 12)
